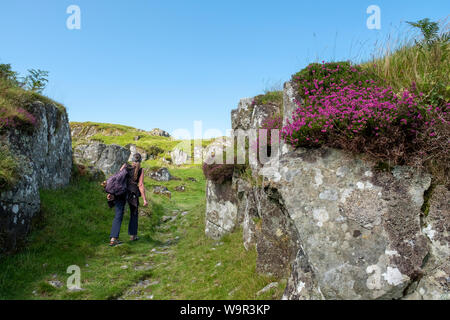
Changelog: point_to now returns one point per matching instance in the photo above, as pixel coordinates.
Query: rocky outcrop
(159, 132)
(107, 158)
(45, 161)
(333, 223)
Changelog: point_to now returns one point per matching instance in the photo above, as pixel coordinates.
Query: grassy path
(172, 259)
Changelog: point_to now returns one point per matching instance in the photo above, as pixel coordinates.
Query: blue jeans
(117, 222)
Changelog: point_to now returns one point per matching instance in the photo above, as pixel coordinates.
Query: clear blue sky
(166, 64)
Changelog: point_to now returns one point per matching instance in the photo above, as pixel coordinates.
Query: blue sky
(166, 63)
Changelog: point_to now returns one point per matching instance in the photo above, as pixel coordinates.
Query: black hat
(137, 157)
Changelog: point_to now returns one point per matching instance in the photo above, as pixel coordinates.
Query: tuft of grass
(413, 65)
(9, 168)
(271, 97)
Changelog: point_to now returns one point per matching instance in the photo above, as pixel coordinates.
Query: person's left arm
(142, 189)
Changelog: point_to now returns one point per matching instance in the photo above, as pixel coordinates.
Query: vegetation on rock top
(17, 96)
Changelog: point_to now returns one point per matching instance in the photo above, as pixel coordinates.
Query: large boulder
(359, 228)
(159, 132)
(107, 158)
(44, 156)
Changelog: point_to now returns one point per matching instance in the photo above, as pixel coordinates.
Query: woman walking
(135, 189)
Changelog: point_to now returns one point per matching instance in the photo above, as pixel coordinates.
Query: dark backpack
(117, 183)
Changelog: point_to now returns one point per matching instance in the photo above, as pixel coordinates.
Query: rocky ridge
(333, 223)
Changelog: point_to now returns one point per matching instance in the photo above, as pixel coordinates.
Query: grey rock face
(359, 229)
(221, 210)
(435, 284)
(45, 159)
(277, 240)
(241, 117)
(107, 158)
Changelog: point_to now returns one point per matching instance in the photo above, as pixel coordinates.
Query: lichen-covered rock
(241, 118)
(48, 148)
(18, 206)
(162, 174)
(45, 161)
(359, 228)
(247, 209)
(277, 241)
(107, 158)
(435, 283)
(221, 210)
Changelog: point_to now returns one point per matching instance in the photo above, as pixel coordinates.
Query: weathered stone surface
(18, 206)
(241, 117)
(277, 241)
(45, 158)
(247, 209)
(161, 174)
(107, 158)
(49, 148)
(435, 284)
(359, 228)
(221, 210)
(302, 283)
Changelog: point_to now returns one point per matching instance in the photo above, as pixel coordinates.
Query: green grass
(74, 230)
(9, 168)
(270, 97)
(404, 63)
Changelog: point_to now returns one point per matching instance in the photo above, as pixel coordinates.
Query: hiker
(135, 189)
